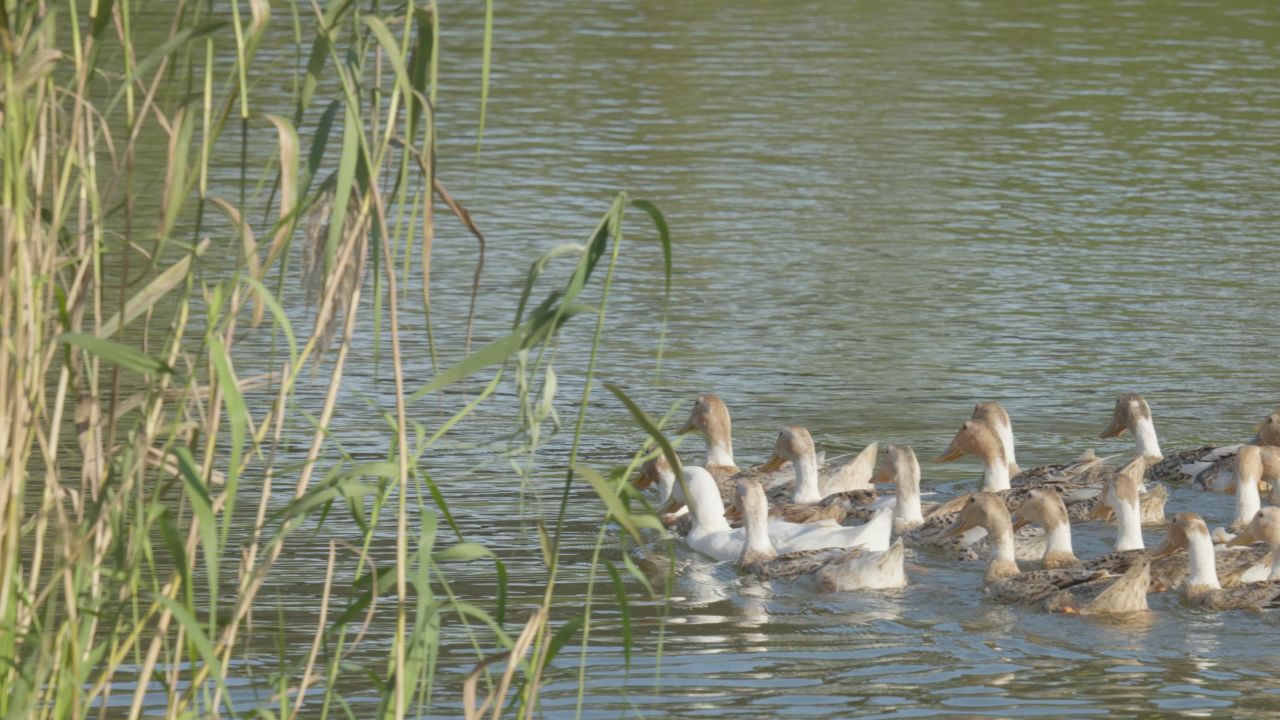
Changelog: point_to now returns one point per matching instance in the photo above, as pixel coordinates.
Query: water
(883, 212)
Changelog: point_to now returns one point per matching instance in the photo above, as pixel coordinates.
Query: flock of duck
(829, 523)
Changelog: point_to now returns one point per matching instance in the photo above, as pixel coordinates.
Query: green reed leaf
(202, 507)
(562, 637)
(237, 416)
(646, 423)
(617, 510)
(116, 353)
(201, 641)
(620, 592)
(462, 552)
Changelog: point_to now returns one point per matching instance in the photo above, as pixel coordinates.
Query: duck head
(1132, 413)
(710, 418)
(651, 471)
(974, 438)
(984, 510)
(1269, 430)
(994, 415)
(1179, 532)
(1265, 527)
(1043, 507)
(794, 444)
(1122, 488)
(899, 466)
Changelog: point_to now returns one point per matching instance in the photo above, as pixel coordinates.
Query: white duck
(711, 535)
(833, 568)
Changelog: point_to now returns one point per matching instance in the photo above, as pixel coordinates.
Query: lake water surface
(882, 213)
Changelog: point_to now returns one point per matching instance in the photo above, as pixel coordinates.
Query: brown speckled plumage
(800, 562)
(1254, 596)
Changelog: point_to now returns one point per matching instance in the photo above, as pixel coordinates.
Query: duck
(810, 499)
(1044, 507)
(710, 418)
(901, 468)
(1220, 475)
(1133, 414)
(1066, 590)
(1188, 531)
(1260, 532)
(1249, 467)
(1089, 501)
(833, 568)
(977, 438)
(671, 507)
(1264, 459)
(711, 535)
(994, 416)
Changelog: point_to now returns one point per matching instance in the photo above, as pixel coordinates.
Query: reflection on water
(883, 213)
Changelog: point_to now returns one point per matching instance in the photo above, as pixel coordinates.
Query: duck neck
(720, 450)
(706, 506)
(758, 546)
(1057, 547)
(1144, 435)
(1006, 439)
(1275, 565)
(1204, 571)
(1128, 526)
(906, 510)
(805, 491)
(1004, 561)
(995, 476)
(1248, 500)
(666, 488)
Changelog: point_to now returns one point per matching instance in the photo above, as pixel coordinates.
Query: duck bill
(641, 480)
(1166, 549)
(949, 455)
(956, 529)
(1244, 538)
(882, 476)
(1019, 523)
(1101, 511)
(687, 428)
(774, 462)
(1115, 429)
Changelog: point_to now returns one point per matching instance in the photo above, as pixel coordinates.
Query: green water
(883, 212)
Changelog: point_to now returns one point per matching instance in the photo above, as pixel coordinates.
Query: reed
(134, 452)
